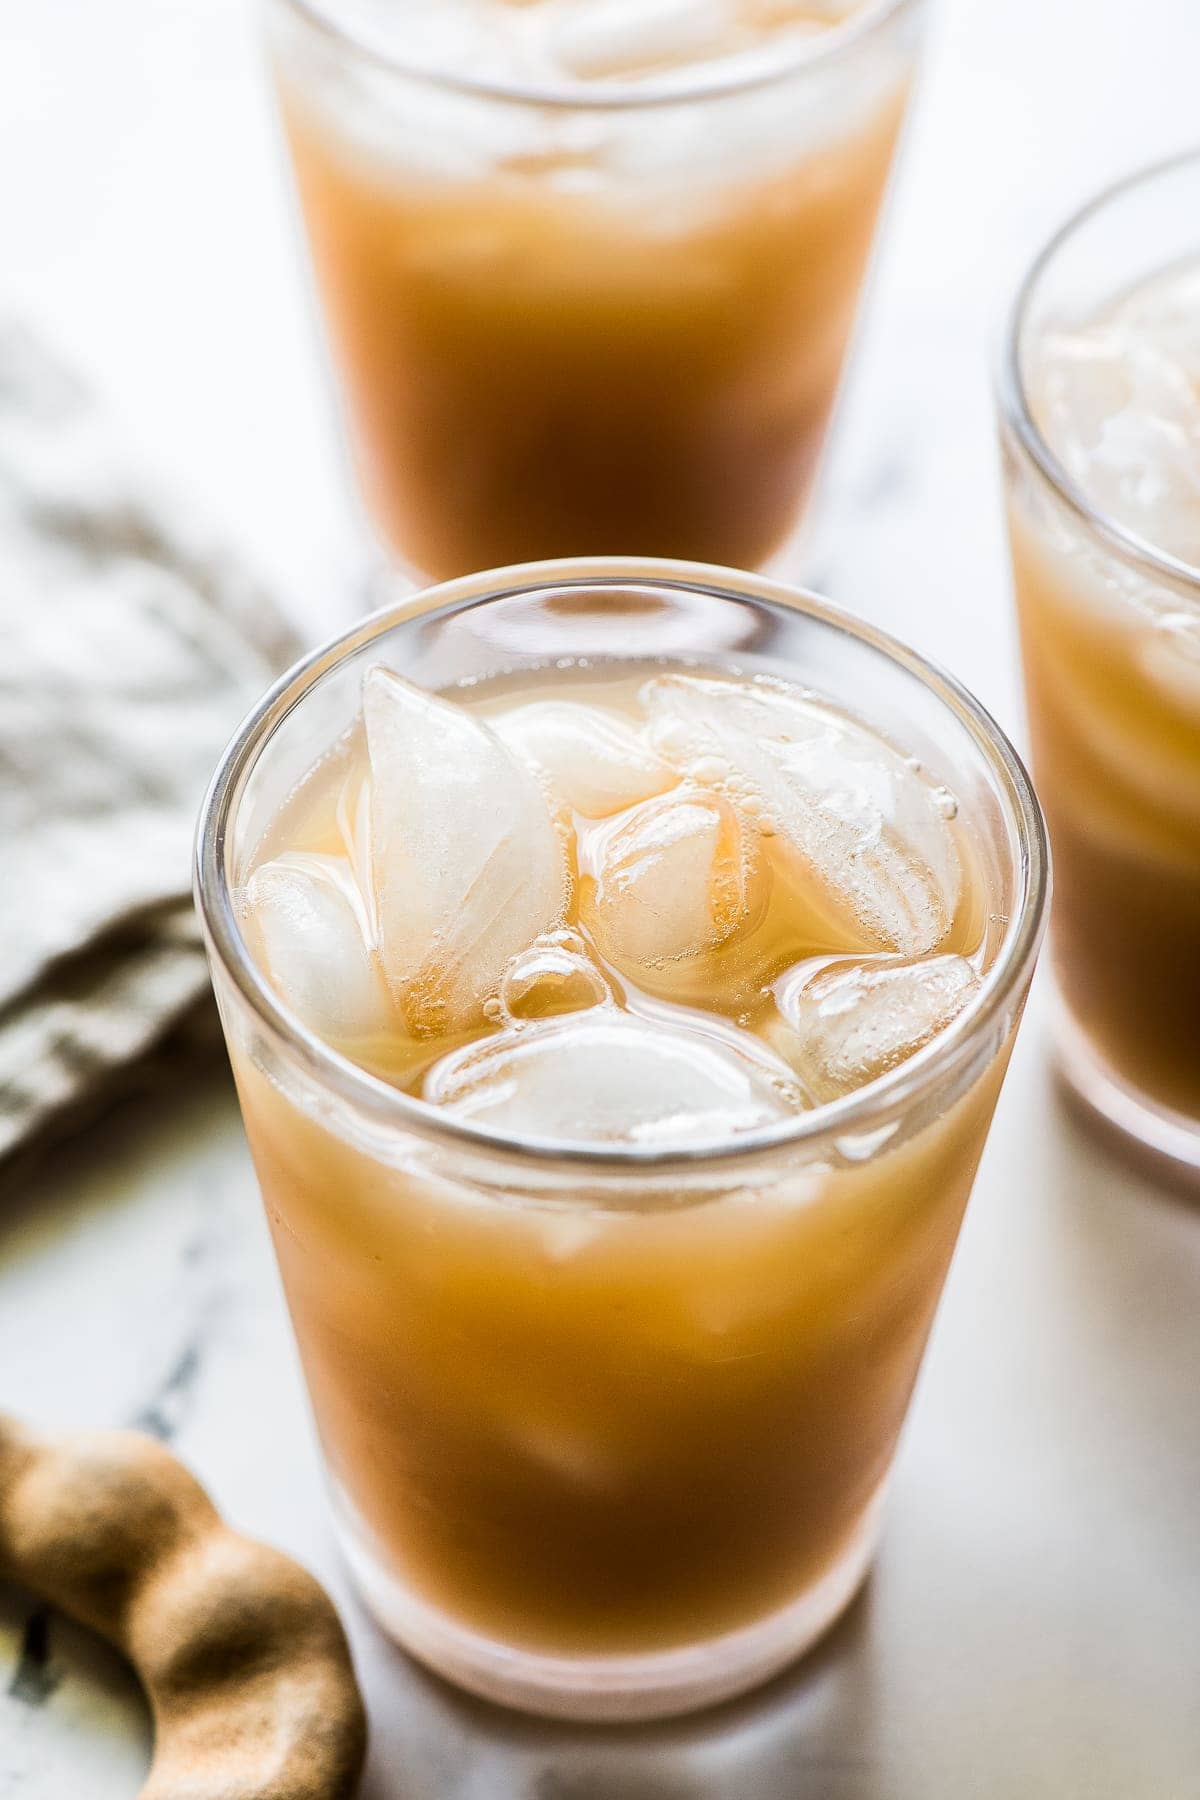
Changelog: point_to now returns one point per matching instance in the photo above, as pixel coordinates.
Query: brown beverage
(609, 1415)
(1111, 644)
(592, 324)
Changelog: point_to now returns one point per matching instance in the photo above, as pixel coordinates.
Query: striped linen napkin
(130, 646)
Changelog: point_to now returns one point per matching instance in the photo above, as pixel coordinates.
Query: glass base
(1165, 1137)
(596, 1689)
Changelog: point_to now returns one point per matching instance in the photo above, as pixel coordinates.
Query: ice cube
(1122, 409)
(670, 879)
(847, 1023)
(467, 866)
(606, 39)
(770, 22)
(595, 762)
(604, 1077)
(305, 915)
(1166, 309)
(555, 975)
(1081, 382)
(851, 815)
(353, 817)
(793, 15)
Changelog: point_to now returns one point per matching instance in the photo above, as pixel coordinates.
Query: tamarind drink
(585, 1413)
(612, 322)
(1111, 651)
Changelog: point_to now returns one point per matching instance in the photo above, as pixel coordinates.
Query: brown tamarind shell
(241, 1654)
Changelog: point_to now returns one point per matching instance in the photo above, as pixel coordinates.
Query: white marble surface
(1033, 1628)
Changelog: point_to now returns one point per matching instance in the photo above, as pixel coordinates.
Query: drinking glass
(1110, 634)
(608, 1430)
(592, 318)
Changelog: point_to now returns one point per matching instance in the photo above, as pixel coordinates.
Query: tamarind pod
(242, 1657)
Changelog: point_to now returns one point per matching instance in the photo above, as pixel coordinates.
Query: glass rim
(850, 1114)
(324, 16)
(1017, 414)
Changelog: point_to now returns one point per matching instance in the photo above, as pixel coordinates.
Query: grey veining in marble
(1032, 1631)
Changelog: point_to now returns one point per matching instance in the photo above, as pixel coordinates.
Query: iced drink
(611, 322)
(609, 1377)
(1106, 555)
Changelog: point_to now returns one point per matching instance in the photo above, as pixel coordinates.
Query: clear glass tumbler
(608, 1431)
(1110, 633)
(589, 319)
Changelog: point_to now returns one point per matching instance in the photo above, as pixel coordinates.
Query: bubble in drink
(851, 816)
(670, 879)
(467, 866)
(555, 975)
(594, 762)
(307, 917)
(608, 1078)
(848, 1023)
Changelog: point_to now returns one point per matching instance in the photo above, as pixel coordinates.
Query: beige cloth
(129, 649)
